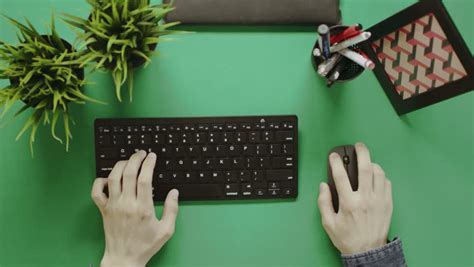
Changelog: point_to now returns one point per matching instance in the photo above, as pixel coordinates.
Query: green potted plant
(122, 35)
(44, 74)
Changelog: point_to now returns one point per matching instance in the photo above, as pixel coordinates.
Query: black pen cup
(350, 71)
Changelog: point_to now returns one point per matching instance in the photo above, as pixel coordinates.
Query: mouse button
(346, 160)
(352, 169)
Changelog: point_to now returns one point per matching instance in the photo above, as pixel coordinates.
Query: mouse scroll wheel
(345, 159)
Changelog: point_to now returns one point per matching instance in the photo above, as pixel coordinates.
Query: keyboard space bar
(191, 191)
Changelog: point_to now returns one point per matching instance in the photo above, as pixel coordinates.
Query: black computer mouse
(349, 159)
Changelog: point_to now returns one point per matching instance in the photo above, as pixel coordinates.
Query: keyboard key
(284, 136)
(209, 164)
(118, 129)
(288, 191)
(189, 177)
(244, 176)
(124, 153)
(261, 150)
(240, 137)
(182, 164)
(288, 149)
(235, 150)
(254, 137)
(273, 192)
(204, 176)
(191, 191)
(247, 189)
(118, 139)
(104, 129)
(282, 162)
(145, 139)
(249, 150)
(131, 139)
(104, 140)
(207, 151)
(192, 151)
(237, 163)
(176, 177)
(232, 189)
(159, 138)
(223, 164)
(217, 176)
(108, 153)
(260, 192)
(228, 137)
(230, 176)
(195, 164)
(215, 138)
(106, 166)
(275, 149)
(273, 185)
(221, 151)
(256, 176)
(268, 136)
(279, 175)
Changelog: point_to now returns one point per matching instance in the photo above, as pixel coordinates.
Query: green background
(48, 219)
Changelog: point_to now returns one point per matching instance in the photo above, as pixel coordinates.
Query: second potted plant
(122, 35)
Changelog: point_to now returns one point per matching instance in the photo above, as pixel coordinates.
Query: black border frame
(434, 95)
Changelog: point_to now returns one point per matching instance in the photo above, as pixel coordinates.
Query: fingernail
(320, 187)
(152, 155)
(175, 194)
(334, 155)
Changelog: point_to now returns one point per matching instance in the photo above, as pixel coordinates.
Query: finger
(130, 174)
(144, 186)
(115, 180)
(340, 177)
(97, 194)
(379, 179)
(365, 168)
(170, 209)
(325, 206)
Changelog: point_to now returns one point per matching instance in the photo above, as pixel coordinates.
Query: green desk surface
(48, 219)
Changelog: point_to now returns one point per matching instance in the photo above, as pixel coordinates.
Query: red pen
(346, 34)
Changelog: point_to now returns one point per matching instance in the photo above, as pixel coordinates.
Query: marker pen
(324, 40)
(350, 42)
(325, 67)
(357, 58)
(316, 52)
(337, 71)
(346, 34)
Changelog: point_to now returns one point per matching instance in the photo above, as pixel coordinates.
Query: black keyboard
(213, 158)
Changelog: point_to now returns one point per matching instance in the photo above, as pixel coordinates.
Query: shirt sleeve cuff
(390, 255)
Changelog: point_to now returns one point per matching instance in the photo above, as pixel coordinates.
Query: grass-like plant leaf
(43, 71)
(121, 35)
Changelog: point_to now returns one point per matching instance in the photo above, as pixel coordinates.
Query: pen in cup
(325, 67)
(357, 58)
(350, 42)
(324, 40)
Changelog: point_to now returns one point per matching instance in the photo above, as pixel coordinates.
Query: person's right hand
(133, 234)
(363, 219)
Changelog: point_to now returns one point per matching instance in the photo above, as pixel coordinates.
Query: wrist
(364, 249)
(114, 261)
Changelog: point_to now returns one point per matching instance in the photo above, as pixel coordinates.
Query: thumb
(170, 209)
(325, 205)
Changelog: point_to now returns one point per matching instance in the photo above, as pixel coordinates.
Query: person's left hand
(133, 234)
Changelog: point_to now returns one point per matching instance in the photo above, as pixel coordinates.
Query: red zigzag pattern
(418, 57)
